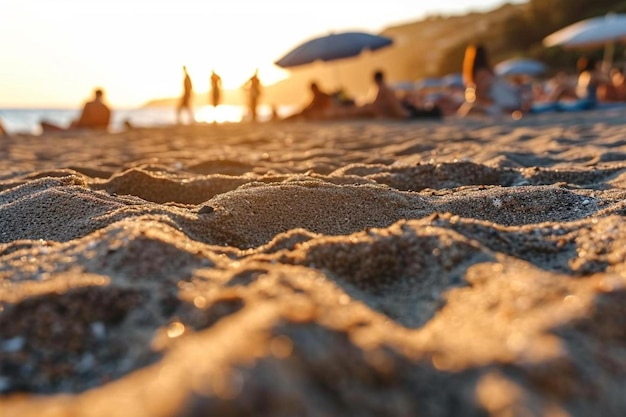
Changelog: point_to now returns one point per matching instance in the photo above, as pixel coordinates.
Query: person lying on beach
(95, 115)
(387, 104)
(585, 95)
(319, 107)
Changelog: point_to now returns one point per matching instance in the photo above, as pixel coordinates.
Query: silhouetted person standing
(216, 89)
(253, 86)
(185, 100)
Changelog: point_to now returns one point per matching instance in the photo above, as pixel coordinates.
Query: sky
(55, 52)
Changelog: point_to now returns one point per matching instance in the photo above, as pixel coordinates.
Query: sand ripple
(439, 268)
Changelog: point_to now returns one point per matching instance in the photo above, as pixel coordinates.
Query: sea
(27, 120)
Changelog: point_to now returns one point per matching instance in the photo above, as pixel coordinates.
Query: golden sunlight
(223, 113)
(142, 61)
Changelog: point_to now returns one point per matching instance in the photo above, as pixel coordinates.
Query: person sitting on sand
(615, 90)
(590, 80)
(387, 104)
(95, 115)
(318, 108)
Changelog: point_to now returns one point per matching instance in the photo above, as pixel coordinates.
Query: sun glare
(223, 113)
(62, 49)
(140, 55)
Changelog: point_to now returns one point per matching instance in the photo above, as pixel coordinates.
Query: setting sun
(60, 50)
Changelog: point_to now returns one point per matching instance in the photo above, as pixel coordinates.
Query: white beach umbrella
(593, 32)
(596, 31)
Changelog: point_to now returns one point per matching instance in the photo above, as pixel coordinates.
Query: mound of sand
(457, 268)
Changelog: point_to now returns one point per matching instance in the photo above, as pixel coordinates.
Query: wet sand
(471, 267)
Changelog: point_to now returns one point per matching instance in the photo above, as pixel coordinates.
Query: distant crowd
(483, 91)
(492, 94)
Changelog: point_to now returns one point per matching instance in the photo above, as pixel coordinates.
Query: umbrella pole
(337, 77)
(609, 50)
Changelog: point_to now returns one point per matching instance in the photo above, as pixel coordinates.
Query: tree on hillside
(522, 34)
(515, 29)
(547, 16)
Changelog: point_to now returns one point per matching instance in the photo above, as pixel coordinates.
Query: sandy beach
(464, 267)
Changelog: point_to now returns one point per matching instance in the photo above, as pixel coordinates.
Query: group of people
(485, 93)
(96, 113)
(252, 88)
(488, 93)
(386, 104)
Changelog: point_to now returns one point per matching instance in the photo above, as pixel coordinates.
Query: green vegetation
(521, 33)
